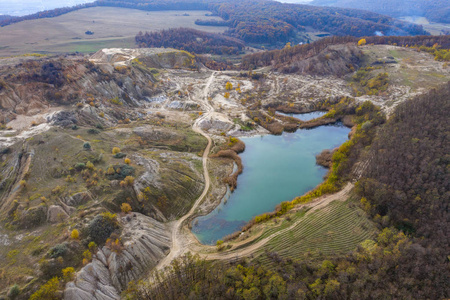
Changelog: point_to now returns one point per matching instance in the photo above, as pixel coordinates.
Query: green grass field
(112, 27)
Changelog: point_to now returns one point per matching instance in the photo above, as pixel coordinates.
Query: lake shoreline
(222, 203)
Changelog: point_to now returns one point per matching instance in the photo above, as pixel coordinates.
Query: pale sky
(26, 7)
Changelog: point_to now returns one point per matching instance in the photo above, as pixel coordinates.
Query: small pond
(306, 116)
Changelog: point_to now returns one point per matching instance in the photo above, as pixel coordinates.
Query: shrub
(125, 207)
(68, 274)
(92, 246)
(362, 42)
(93, 131)
(219, 245)
(127, 161)
(119, 155)
(87, 146)
(227, 95)
(87, 255)
(128, 181)
(80, 166)
(115, 150)
(119, 172)
(229, 86)
(14, 291)
(48, 291)
(89, 165)
(101, 227)
(115, 245)
(74, 234)
(58, 250)
(75, 127)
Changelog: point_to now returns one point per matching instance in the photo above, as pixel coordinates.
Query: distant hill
(262, 21)
(435, 10)
(4, 17)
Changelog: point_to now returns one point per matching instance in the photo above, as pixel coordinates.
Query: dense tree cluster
(435, 11)
(270, 21)
(212, 23)
(408, 175)
(190, 40)
(290, 55)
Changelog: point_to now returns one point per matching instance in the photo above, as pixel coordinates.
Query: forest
(405, 190)
(190, 40)
(263, 21)
(283, 58)
(435, 11)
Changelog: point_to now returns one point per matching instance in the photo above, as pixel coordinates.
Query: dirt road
(182, 243)
(178, 246)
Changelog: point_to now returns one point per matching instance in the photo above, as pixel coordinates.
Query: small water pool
(305, 116)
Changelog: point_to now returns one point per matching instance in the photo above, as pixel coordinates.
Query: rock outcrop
(56, 214)
(145, 242)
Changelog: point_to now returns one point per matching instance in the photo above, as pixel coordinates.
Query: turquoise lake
(276, 169)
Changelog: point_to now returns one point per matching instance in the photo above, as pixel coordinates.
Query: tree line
(190, 40)
(289, 55)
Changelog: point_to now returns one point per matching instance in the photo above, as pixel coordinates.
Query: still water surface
(276, 169)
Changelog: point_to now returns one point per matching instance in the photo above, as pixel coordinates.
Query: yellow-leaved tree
(362, 42)
(75, 234)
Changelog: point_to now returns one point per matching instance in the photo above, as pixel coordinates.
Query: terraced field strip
(337, 228)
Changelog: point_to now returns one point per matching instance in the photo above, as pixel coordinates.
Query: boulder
(56, 214)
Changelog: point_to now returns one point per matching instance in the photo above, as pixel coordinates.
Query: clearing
(112, 27)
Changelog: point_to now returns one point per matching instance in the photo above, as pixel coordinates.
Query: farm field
(112, 28)
(335, 229)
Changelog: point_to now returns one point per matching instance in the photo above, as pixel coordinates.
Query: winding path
(180, 243)
(177, 247)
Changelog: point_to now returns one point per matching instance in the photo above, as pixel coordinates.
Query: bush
(119, 155)
(115, 150)
(74, 234)
(47, 291)
(75, 127)
(92, 246)
(87, 146)
(89, 165)
(125, 207)
(59, 250)
(128, 181)
(119, 172)
(101, 227)
(68, 274)
(93, 131)
(14, 291)
(80, 166)
(127, 161)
